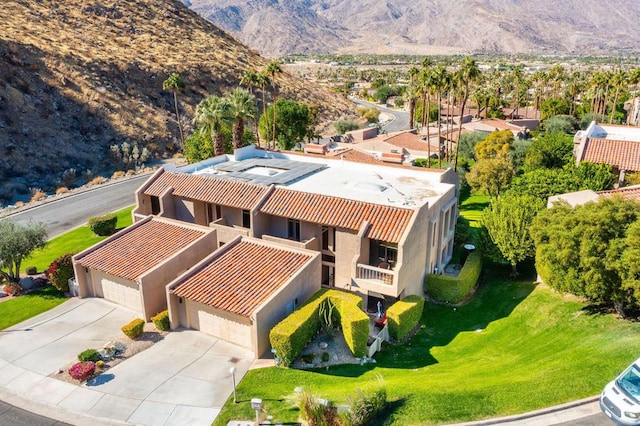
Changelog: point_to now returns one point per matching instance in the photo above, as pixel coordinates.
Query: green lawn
(516, 347)
(71, 242)
(472, 205)
(29, 305)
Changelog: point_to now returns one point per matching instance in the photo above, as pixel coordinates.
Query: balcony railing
(371, 273)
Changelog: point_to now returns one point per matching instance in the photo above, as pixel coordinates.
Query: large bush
(404, 315)
(293, 333)
(365, 406)
(134, 328)
(89, 355)
(455, 289)
(161, 321)
(60, 271)
(344, 126)
(82, 370)
(103, 225)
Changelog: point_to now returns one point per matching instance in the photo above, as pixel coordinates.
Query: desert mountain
(277, 27)
(78, 76)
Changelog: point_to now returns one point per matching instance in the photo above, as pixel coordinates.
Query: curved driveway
(400, 118)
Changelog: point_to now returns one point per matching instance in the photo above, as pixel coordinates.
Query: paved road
(595, 420)
(400, 121)
(13, 416)
(68, 213)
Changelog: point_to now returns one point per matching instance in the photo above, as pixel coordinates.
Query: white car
(620, 399)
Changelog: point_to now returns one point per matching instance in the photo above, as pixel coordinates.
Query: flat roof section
(266, 171)
(241, 278)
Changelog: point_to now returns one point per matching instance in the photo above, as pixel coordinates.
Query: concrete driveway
(182, 380)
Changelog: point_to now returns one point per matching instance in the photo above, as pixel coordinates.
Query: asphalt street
(13, 416)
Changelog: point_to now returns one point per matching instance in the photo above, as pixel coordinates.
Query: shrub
(455, 289)
(134, 328)
(161, 321)
(12, 288)
(62, 190)
(103, 225)
(100, 364)
(97, 180)
(117, 174)
(404, 315)
(344, 126)
(38, 195)
(89, 355)
(31, 270)
(365, 406)
(461, 233)
(60, 271)
(293, 333)
(82, 370)
(325, 356)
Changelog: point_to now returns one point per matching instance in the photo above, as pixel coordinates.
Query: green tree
(466, 75)
(344, 126)
(507, 221)
(292, 122)
(497, 145)
(242, 107)
(17, 242)
(176, 84)
(559, 124)
(550, 151)
(577, 248)
(198, 147)
(211, 114)
(624, 255)
(491, 175)
(552, 107)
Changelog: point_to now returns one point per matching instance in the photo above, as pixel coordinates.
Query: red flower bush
(60, 271)
(82, 370)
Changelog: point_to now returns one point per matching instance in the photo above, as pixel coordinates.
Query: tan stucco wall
(348, 248)
(301, 286)
(184, 210)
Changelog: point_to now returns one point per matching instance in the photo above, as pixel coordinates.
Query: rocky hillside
(428, 26)
(78, 76)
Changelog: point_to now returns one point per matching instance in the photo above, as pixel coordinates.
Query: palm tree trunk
(218, 142)
(439, 131)
(464, 102)
(613, 106)
(238, 130)
(175, 103)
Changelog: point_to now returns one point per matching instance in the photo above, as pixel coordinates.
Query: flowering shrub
(60, 271)
(12, 288)
(82, 370)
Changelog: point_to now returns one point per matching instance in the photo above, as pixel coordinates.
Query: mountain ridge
(282, 27)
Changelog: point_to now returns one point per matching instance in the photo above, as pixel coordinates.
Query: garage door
(215, 325)
(122, 294)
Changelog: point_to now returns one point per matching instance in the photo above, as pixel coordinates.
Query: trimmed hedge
(293, 333)
(455, 289)
(134, 328)
(161, 321)
(103, 225)
(404, 315)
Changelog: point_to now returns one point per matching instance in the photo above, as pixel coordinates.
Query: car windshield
(629, 381)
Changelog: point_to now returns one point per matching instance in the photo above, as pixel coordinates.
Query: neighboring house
(583, 197)
(632, 106)
(615, 145)
(277, 226)
(519, 128)
(243, 290)
(132, 267)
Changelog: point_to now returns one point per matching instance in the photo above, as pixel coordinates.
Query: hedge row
(293, 333)
(455, 289)
(404, 315)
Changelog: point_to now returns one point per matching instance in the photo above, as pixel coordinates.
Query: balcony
(377, 275)
(227, 233)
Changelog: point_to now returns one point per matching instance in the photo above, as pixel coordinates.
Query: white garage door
(122, 294)
(223, 328)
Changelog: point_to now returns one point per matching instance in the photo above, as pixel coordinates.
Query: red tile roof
(411, 141)
(629, 192)
(226, 192)
(387, 223)
(131, 254)
(242, 278)
(624, 155)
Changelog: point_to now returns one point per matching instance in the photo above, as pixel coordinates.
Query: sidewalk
(547, 416)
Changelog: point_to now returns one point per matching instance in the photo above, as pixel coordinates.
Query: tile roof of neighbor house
(411, 141)
(230, 283)
(226, 192)
(131, 254)
(624, 155)
(387, 223)
(629, 192)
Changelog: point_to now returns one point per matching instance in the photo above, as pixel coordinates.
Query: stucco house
(233, 244)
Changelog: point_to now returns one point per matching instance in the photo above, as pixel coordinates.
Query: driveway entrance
(183, 379)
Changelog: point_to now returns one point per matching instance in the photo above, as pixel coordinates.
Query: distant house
(615, 145)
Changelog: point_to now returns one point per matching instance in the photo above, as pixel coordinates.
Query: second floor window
(246, 219)
(155, 205)
(293, 229)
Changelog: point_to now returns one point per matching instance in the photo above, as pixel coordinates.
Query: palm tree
(272, 69)
(175, 84)
(242, 107)
(250, 80)
(469, 73)
(619, 79)
(411, 94)
(211, 113)
(440, 80)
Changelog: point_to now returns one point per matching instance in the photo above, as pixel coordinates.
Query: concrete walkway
(182, 380)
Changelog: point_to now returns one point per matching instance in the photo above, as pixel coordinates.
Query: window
(213, 212)
(325, 238)
(293, 229)
(383, 253)
(246, 219)
(155, 205)
(328, 238)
